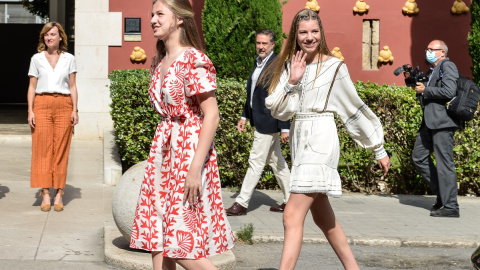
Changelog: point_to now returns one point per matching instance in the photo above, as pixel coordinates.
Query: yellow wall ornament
(385, 55)
(337, 53)
(361, 6)
(459, 7)
(138, 55)
(410, 7)
(313, 5)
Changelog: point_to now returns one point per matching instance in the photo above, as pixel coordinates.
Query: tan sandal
(45, 207)
(58, 207)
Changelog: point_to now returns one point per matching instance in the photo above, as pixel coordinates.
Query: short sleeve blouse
(52, 80)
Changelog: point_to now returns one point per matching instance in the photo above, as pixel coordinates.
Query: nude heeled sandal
(44, 207)
(58, 207)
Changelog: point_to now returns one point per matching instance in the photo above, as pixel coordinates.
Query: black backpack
(464, 105)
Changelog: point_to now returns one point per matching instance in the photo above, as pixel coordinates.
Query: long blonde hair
(189, 36)
(272, 75)
(62, 47)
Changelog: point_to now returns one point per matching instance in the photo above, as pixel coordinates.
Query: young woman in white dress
(299, 87)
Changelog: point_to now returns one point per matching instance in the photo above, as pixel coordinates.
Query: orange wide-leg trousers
(51, 139)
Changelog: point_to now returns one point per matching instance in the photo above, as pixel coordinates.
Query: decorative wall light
(385, 55)
(313, 5)
(361, 7)
(459, 7)
(337, 53)
(410, 7)
(138, 55)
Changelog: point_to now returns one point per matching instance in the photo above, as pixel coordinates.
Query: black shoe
(444, 212)
(436, 206)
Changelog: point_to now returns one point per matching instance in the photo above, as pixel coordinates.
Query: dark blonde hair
(63, 46)
(189, 36)
(274, 71)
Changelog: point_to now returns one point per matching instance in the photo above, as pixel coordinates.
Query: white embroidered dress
(314, 143)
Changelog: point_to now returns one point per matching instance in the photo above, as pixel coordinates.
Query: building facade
(105, 32)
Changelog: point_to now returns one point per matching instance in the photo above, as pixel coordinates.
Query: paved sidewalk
(74, 238)
(389, 220)
(70, 239)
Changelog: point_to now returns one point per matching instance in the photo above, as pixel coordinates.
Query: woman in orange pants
(52, 112)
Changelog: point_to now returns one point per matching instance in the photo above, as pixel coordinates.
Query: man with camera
(437, 130)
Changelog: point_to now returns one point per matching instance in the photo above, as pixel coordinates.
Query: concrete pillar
(95, 30)
(57, 11)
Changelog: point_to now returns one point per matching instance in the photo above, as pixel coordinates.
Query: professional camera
(412, 75)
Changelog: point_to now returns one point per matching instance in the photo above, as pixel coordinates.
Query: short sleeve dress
(314, 144)
(162, 222)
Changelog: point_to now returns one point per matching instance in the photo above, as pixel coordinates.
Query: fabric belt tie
(167, 123)
(53, 94)
(312, 116)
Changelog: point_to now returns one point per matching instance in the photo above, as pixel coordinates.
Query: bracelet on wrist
(75, 110)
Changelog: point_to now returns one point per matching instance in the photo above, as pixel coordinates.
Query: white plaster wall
(95, 30)
(87, 6)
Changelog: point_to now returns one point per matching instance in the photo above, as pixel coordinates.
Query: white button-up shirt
(256, 73)
(52, 80)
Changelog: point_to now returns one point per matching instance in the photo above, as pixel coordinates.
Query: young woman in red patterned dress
(180, 216)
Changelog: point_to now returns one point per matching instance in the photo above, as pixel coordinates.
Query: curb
(112, 168)
(386, 242)
(118, 254)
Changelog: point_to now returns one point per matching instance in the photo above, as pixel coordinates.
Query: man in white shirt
(266, 143)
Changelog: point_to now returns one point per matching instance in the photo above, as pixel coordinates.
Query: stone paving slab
(390, 220)
(75, 234)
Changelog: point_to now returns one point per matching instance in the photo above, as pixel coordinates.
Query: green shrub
(474, 40)
(229, 28)
(133, 117)
(401, 116)
(233, 148)
(135, 123)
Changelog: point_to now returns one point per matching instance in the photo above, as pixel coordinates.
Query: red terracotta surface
(407, 36)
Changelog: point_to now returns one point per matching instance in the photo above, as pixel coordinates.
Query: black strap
(441, 70)
(331, 85)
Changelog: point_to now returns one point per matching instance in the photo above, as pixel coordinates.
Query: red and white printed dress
(162, 222)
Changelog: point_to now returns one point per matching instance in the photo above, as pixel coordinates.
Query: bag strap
(331, 85)
(440, 70)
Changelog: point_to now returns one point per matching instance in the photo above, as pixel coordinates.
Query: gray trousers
(265, 148)
(441, 178)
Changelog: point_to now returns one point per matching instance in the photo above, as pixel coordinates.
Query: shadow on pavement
(413, 200)
(122, 243)
(70, 193)
(3, 190)
(258, 199)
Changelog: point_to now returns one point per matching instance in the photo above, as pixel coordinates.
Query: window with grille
(12, 12)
